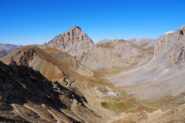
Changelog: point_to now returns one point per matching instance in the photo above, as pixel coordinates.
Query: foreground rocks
(27, 96)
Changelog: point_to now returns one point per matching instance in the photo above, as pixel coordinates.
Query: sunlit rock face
(171, 48)
(74, 42)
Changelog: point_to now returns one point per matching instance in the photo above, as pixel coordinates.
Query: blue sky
(38, 21)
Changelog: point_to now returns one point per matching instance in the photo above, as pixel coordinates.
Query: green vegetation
(118, 68)
(117, 107)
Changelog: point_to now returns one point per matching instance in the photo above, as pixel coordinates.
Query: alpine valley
(71, 79)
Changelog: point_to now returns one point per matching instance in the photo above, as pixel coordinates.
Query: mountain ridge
(93, 55)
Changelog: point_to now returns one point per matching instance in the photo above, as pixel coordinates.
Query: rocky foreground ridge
(27, 96)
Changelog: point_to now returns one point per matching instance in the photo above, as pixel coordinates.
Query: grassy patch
(118, 68)
(117, 107)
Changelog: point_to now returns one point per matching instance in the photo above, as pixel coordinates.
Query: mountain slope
(67, 60)
(26, 96)
(163, 75)
(52, 66)
(115, 54)
(175, 115)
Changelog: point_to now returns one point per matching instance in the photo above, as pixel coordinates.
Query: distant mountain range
(6, 48)
(143, 42)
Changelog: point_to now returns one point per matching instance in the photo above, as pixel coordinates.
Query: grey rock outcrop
(74, 42)
(170, 47)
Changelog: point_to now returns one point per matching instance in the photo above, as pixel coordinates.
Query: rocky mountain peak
(76, 28)
(74, 42)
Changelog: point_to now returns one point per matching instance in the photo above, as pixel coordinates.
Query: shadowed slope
(27, 96)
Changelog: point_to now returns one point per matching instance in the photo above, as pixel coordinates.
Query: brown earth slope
(58, 66)
(51, 64)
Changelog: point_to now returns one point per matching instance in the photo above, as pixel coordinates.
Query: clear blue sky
(38, 21)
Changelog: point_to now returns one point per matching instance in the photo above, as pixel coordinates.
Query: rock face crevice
(181, 33)
(181, 57)
(27, 56)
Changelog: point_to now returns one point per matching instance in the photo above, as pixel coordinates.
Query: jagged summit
(74, 42)
(76, 28)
